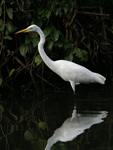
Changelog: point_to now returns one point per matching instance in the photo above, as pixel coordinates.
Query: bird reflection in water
(74, 126)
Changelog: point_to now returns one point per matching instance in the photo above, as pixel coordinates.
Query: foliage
(70, 29)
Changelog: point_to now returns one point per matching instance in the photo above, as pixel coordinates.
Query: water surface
(29, 120)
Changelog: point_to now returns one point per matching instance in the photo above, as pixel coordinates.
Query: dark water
(27, 120)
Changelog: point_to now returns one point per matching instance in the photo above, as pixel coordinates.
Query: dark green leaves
(9, 27)
(23, 49)
(47, 31)
(28, 136)
(9, 12)
(69, 56)
(37, 20)
(35, 41)
(44, 12)
(28, 39)
(50, 45)
(55, 35)
(40, 144)
(81, 53)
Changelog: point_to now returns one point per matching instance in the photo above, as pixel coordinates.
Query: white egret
(67, 70)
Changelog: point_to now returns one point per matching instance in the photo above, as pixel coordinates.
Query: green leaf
(37, 20)
(70, 3)
(14, 28)
(50, 45)
(40, 11)
(42, 125)
(23, 49)
(35, 41)
(58, 43)
(16, 118)
(8, 37)
(38, 60)
(66, 9)
(41, 144)
(47, 31)
(1, 108)
(0, 81)
(82, 54)
(47, 14)
(11, 72)
(52, 27)
(55, 35)
(28, 40)
(78, 52)
(0, 11)
(28, 136)
(9, 27)
(10, 13)
(57, 10)
(69, 56)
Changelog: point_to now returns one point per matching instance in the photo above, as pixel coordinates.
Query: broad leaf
(1, 108)
(55, 35)
(9, 27)
(47, 31)
(8, 37)
(10, 13)
(78, 52)
(28, 40)
(28, 136)
(42, 125)
(41, 144)
(57, 10)
(58, 43)
(50, 45)
(11, 72)
(69, 56)
(70, 3)
(82, 54)
(23, 49)
(38, 60)
(35, 41)
(40, 11)
(48, 14)
(37, 20)
(66, 9)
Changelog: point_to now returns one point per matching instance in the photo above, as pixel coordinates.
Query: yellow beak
(24, 30)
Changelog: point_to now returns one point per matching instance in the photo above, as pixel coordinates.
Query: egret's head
(31, 28)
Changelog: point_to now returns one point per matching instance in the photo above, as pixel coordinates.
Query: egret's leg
(73, 86)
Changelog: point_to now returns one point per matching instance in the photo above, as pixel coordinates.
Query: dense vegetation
(76, 30)
(79, 31)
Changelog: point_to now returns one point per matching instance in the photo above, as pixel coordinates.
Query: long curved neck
(45, 58)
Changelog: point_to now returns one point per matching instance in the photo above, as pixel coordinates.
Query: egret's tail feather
(101, 79)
